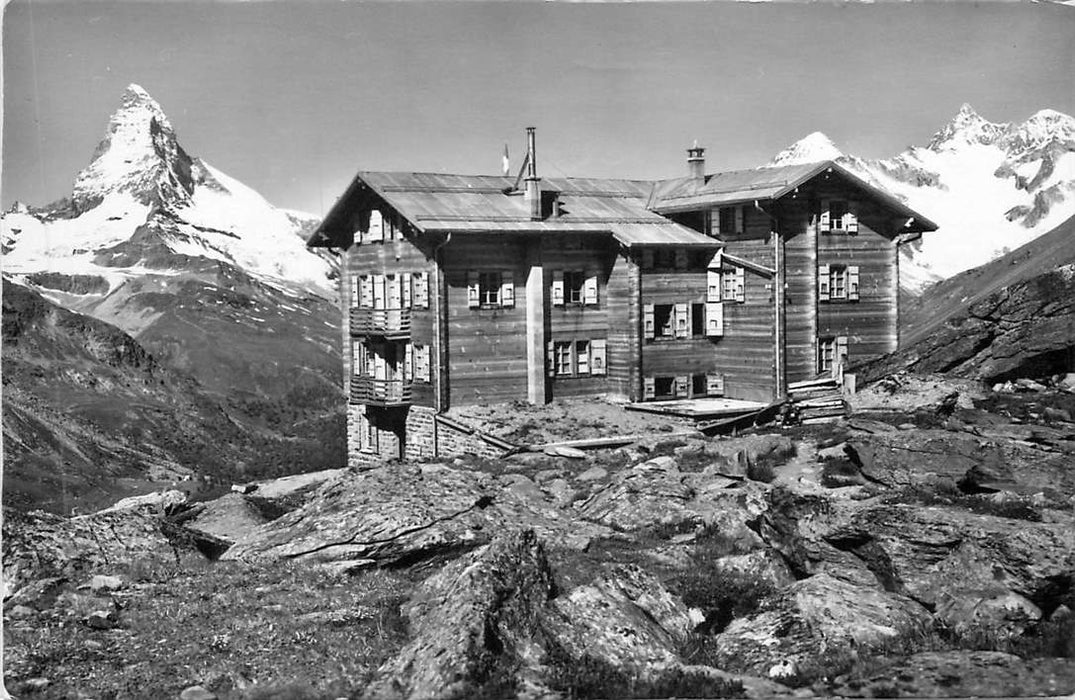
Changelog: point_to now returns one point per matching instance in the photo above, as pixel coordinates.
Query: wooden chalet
(473, 289)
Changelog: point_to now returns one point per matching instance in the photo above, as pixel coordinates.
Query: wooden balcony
(380, 392)
(391, 324)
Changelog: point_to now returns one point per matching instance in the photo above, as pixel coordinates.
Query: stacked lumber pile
(818, 400)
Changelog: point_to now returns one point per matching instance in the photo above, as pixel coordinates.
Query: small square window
(837, 210)
(664, 321)
(574, 283)
(489, 284)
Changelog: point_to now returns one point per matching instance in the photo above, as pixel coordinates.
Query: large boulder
(818, 614)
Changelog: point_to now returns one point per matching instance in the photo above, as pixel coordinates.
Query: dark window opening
(698, 320)
(837, 209)
(664, 321)
(698, 385)
(574, 281)
(489, 288)
(664, 387)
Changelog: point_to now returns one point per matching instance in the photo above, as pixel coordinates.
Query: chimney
(533, 182)
(696, 162)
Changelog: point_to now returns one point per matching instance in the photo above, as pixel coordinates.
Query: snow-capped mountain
(197, 267)
(990, 187)
(141, 177)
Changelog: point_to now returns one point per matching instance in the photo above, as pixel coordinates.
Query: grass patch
(280, 631)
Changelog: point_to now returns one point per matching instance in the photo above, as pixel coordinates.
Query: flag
(506, 163)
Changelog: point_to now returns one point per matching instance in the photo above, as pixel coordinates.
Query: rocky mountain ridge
(991, 187)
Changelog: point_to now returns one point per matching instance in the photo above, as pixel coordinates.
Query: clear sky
(293, 97)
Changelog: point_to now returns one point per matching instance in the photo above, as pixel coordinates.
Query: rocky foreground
(914, 550)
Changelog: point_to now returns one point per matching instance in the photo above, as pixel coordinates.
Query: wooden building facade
(464, 290)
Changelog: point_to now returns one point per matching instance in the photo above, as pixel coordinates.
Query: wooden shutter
(647, 258)
(648, 321)
(824, 223)
(853, 282)
(597, 356)
(683, 318)
(822, 282)
(550, 358)
(393, 294)
(406, 283)
(714, 384)
(712, 290)
(851, 220)
(682, 385)
(740, 284)
(589, 291)
(356, 297)
(378, 291)
(365, 292)
(557, 287)
(714, 319)
(376, 230)
(358, 360)
(507, 290)
(681, 259)
(649, 388)
(421, 362)
(408, 362)
(739, 227)
(473, 290)
(421, 290)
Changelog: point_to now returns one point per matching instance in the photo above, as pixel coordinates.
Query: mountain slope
(89, 416)
(990, 187)
(1011, 318)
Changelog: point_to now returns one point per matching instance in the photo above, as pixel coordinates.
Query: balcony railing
(380, 392)
(387, 323)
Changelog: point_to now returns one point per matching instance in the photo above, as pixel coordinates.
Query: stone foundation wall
(455, 441)
(421, 440)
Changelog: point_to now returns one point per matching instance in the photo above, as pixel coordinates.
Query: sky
(292, 98)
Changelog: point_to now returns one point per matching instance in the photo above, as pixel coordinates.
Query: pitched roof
(486, 204)
(741, 186)
(633, 211)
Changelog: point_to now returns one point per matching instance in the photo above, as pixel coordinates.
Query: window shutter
(589, 291)
(822, 282)
(356, 297)
(714, 385)
(421, 290)
(851, 220)
(408, 363)
(681, 259)
(550, 358)
(647, 258)
(853, 282)
(714, 221)
(739, 228)
(682, 386)
(357, 362)
(683, 316)
(421, 362)
(473, 296)
(740, 284)
(365, 292)
(712, 290)
(597, 356)
(376, 232)
(408, 297)
(714, 319)
(824, 224)
(557, 287)
(649, 388)
(648, 321)
(507, 290)
(378, 291)
(393, 293)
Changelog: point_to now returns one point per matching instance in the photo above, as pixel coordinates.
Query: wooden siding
(800, 297)
(487, 347)
(625, 328)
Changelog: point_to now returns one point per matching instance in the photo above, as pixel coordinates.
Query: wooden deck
(699, 408)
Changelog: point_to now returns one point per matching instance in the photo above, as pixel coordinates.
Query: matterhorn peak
(812, 148)
(139, 155)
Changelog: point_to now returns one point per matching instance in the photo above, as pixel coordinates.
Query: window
(574, 281)
(698, 320)
(663, 321)
(490, 289)
(831, 352)
(837, 216)
(838, 282)
(582, 357)
(733, 285)
(664, 386)
(837, 210)
(729, 221)
(698, 385)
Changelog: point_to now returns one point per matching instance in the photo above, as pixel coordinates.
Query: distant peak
(967, 127)
(811, 148)
(966, 110)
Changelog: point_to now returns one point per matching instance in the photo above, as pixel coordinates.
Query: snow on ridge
(811, 148)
